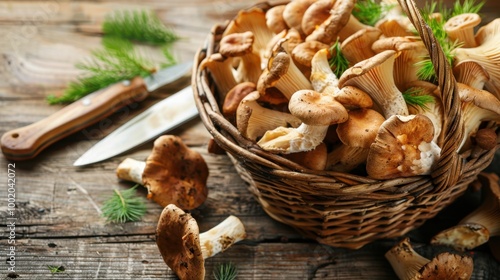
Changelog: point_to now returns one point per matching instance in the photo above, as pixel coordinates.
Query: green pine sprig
(118, 60)
(141, 26)
(56, 269)
(124, 206)
(369, 11)
(415, 97)
(338, 62)
(225, 271)
(426, 69)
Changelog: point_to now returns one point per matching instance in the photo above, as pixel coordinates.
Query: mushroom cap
(305, 51)
(353, 98)
(486, 138)
(175, 174)
(462, 21)
(314, 108)
(277, 67)
(294, 11)
(448, 266)
(236, 44)
(177, 238)
(329, 30)
(361, 128)
(316, 14)
(274, 19)
(234, 97)
(403, 147)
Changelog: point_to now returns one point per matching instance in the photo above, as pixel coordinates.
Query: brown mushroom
(184, 249)
(403, 147)
(253, 120)
(470, 73)
(240, 45)
(317, 112)
(356, 135)
(233, 99)
(294, 11)
(316, 14)
(409, 265)
(460, 28)
(375, 77)
(329, 30)
(358, 46)
(274, 19)
(173, 173)
(476, 228)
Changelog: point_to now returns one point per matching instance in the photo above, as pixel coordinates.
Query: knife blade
(27, 142)
(165, 115)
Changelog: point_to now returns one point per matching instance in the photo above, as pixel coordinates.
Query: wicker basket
(341, 209)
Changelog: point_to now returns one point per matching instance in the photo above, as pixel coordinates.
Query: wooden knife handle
(27, 142)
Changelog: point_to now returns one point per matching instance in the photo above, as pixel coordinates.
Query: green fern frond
(142, 26)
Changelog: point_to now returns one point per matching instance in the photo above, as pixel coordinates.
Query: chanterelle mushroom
(403, 147)
(184, 249)
(317, 111)
(375, 76)
(409, 265)
(481, 224)
(460, 28)
(173, 173)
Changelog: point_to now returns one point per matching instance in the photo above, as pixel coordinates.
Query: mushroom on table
(184, 249)
(173, 173)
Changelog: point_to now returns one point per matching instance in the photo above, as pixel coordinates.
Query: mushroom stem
(222, 236)
(409, 265)
(131, 170)
(476, 228)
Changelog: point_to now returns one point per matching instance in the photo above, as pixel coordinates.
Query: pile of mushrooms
(276, 86)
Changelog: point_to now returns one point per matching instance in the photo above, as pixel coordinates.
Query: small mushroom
(471, 73)
(305, 51)
(253, 120)
(460, 28)
(314, 159)
(282, 73)
(173, 173)
(294, 12)
(409, 265)
(403, 147)
(358, 46)
(375, 76)
(356, 135)
(317, 112)
(486, 138)
(274, 19)
(487, 54)
(240, 45)
(322, 77)
(221, 71)
(233, 99)
(184, 249)
(476, 228)
(352, 26)
(477, 106)
(328, 31)
(316, 14)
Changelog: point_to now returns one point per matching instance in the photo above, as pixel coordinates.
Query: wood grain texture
(58, 205)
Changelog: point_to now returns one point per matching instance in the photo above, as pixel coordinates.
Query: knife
(165, 115)
(27, 142)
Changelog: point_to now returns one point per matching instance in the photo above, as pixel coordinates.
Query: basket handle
(449, 167)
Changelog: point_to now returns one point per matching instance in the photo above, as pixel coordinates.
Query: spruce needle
(369, 11)
(55, 269)
(124, 206)
(414, 97)
(338, 62)
(225, 271)
(141, 26)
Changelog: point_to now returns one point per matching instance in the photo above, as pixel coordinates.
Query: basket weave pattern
(342, 209)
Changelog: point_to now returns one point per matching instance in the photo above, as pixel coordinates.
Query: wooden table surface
(58, 217)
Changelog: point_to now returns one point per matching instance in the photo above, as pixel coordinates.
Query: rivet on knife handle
(27, 142)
